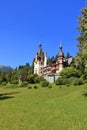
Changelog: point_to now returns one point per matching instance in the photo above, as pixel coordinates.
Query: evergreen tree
(68, 55)
(81, 59)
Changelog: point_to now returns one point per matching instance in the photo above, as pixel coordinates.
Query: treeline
(12, 76)
(21, 77)
(52, 59)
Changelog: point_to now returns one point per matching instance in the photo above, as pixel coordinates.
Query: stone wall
(51, 77)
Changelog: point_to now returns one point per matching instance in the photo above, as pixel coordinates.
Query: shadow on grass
(5, 96)
(85, 94)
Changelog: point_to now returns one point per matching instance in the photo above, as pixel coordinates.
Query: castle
(49, 71)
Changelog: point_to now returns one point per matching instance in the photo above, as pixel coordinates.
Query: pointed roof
(40, 52)
(40, 49)
(60, 50)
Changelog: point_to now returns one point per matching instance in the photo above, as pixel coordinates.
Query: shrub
(77, 81)
(24, 84)
(37, 80)
(62, 81)
(3, 83)
(41, 78)
(14, 82)
(30, 79)
(71, 76)
(59, 81)
(35, 87)
(71, 79)
(29, 87)
(70, 72)
(60, 86)
(44, 83)
(84, 77)
(49, 86)
(68, 85)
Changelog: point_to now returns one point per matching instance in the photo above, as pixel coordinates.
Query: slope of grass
(43, 109)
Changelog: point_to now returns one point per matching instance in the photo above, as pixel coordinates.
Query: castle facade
(41, 67)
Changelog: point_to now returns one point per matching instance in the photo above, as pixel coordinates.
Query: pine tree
(81, 59)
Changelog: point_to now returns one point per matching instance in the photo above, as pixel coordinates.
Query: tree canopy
(81, 59)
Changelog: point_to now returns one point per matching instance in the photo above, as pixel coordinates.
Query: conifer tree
(81, 59)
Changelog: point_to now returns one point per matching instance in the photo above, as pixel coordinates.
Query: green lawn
(43, 109)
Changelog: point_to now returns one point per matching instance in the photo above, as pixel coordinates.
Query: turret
(40, 61)
(60, 58)
(45, 59)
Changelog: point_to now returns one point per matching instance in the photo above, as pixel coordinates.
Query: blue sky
(23, 23)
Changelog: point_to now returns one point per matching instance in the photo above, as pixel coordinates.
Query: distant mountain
(5, 68)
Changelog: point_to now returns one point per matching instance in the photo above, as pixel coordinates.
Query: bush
(37, 80)
(24, 84)
(70, 72)
(49, 86)
(30, 79)
(69, 81)
(29, 87)
(77, 81)
(59, 81)
(14, 82)
(60, 86)
(68, 85)
(62, 81)
(35, 87)
(44, 83)
(84, 77)
(3, 83)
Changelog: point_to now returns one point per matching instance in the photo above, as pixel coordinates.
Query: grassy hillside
(43, 109)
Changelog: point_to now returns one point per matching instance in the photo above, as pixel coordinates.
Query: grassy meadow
(56, 108)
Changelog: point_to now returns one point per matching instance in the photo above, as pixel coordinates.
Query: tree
(81, 59)
(68, 55)
(52, 59)
(70, 72)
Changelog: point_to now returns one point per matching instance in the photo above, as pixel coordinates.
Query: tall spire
(40, 43)
(40, 49)
(60, 44)
(60, 50)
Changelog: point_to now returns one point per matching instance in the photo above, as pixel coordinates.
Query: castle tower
(45, 59)
(60, 58)
(40, 61)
